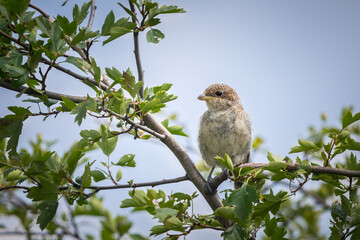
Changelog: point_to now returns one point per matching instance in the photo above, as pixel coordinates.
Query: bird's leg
(208, 189)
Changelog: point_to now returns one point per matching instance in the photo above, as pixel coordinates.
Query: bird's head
(220, 96)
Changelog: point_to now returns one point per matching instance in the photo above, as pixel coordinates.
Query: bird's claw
(208, 189)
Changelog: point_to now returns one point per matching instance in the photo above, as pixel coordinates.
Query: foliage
(33, 41)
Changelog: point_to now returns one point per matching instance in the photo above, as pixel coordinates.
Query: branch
(24, 45)
(65, 70)
(137, 52)
(92, 14)
(75, 75)
(221, 177)
(134, 185)
(67, 38)
(41, 12)
(146, 129)
(194, 175)
(52, 95)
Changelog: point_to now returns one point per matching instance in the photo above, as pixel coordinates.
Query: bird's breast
(224, 132)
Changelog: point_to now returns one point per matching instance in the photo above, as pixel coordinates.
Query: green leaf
(274, 158)
(128, 11)
(120, 28)
(83, 35)
(164, 213)
(20, 73)
(129, 84)
(114, 74)
(15, 7)
(138, 199)
(90, 134)
(47, 191)
(235, 232)
(80, 15)
(173, 222)
(226, 162)
(107, 143)
(3, 160)
(175, 129)
(13, 131)
(79, 63)
(271, 203)
(68, 104)
(68, 27)
(355, 234)
(108, 23)
(348, 118)
(355, 216)
(154, 35)
(47, 213)
(127, 161)
(73, 159)
(97, 175)
(158, 229)
(242, 199)
(86, 177)
(119, 175)
(305, 145)
(351, 144)
(226, 212)
(149, 105)
(170, 9)
(81, 109)
(44, 25)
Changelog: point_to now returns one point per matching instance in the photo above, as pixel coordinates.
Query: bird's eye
(219, 93)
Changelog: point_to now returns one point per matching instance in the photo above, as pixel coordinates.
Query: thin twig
(137, 52)
(14, 187)
(144, 128)
(92, 14)
(72, 218)
(134, 185)
(301, 185)
(44, 14)
(14, 40)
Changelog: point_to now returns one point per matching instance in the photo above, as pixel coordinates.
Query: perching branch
(221, 177)
(192, 172)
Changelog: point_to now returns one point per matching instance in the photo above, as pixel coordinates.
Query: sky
(289, 61)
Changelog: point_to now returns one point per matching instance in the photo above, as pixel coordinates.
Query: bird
(225, 128)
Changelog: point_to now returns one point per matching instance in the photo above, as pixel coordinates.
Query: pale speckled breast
(227, 131)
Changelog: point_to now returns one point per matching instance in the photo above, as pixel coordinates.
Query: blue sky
(289, 61)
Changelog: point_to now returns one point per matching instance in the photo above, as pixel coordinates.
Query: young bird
(224, 128)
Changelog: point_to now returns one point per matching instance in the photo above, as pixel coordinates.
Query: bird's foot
(209, 189)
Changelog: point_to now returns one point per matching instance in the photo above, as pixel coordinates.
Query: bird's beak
(202, 97)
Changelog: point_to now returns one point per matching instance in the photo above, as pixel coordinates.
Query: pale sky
(289, 61)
